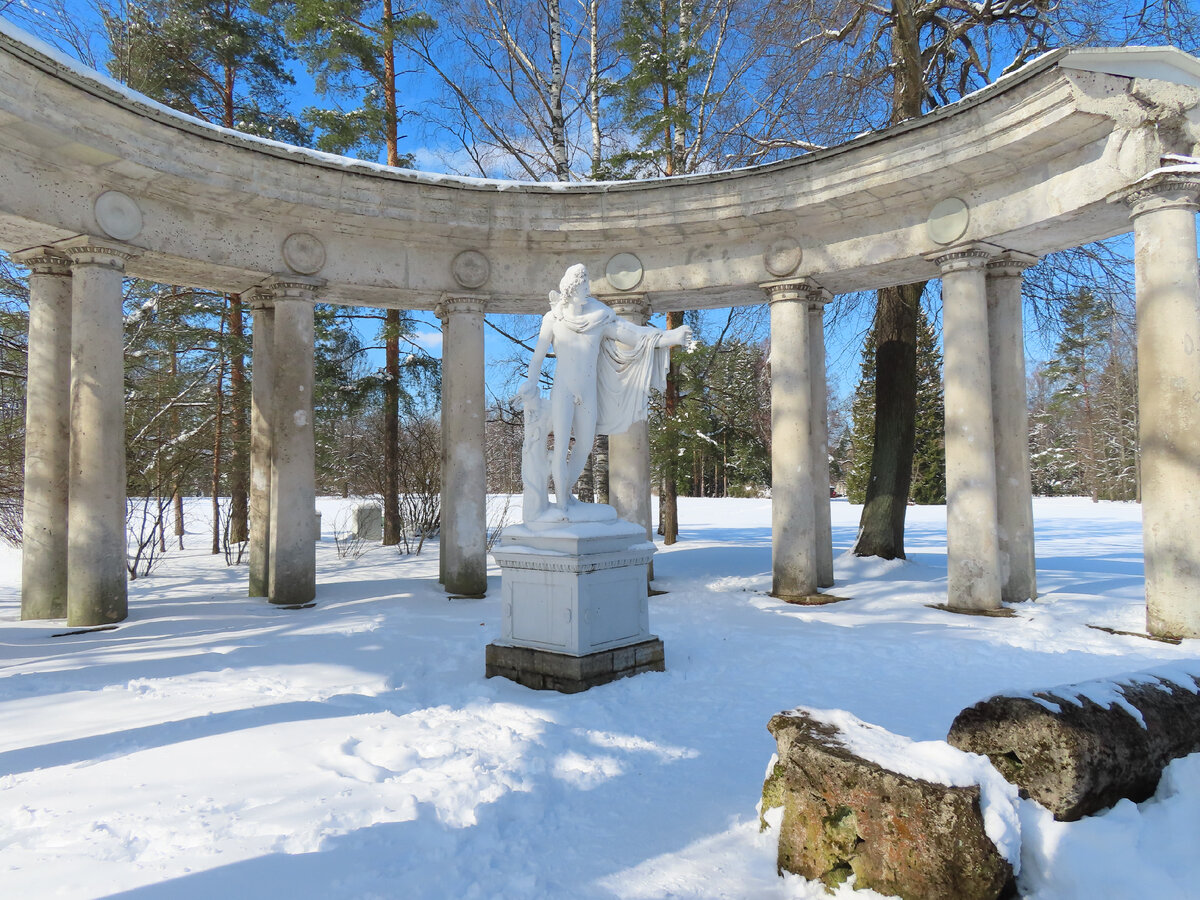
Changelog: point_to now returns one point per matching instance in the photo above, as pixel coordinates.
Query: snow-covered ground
(213, 746)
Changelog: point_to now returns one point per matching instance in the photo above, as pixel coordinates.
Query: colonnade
(74, 514)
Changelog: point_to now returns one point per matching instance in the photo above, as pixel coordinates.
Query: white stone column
(97, 593)
(819, 432)
(1168, 326)
(973, 550)
(464, 478)
(1010, 425)
(291, 557)
(262, 384)
(794, 555)
(629, 452)
(47, 436)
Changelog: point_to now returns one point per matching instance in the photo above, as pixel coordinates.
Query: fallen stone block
(1078, 749)
(904, 818)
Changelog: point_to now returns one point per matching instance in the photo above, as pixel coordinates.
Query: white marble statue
(604, 370)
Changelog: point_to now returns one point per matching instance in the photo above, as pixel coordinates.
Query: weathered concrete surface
(261, 391)
(47, 437)
(1076, 756)
(97, 592)
(901, 836)
(1168, 324)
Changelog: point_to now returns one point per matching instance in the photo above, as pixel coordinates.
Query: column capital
(964, 256)
(1165, 190)
(448, 306)
(1010, 263)
(802, 289)
(287, 287)
(634, 307)
(43, 261)
(86, 250)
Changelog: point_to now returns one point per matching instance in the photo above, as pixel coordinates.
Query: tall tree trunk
(668, 499)
(881, 528)
(218, 435)
(239, 458)
(177, 498)
(392, 524)
(558, 126)
(594, 85)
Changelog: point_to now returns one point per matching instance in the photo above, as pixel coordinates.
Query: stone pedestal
(575, 610)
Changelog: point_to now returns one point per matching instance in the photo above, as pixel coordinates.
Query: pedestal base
(544, 670)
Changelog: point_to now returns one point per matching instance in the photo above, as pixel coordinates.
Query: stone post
(262, 348)
(291, 554)
(972, 544)
(794, 555)
(97, 593)
(819, 431)
(464, 478)
(1168, 329)
(1010, 424)
(47, 436)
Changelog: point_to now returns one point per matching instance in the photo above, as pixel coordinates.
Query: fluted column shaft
(261, 388)
(1010, 424)
(464, 475)
(794, 553)
(819, 433)
(972, 544)
(97, 592)
(1168, 327)
(47, 436)
(291, 555)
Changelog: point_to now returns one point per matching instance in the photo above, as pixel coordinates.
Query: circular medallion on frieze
(948, 221)
(624, 271)
(118, 215)
(471, 269)
(303, 253)
(782, 257)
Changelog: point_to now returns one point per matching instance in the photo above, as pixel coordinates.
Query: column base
(1002, 613)
(809, 599)
(544, 670)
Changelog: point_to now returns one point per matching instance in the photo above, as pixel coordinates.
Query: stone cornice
(803, 289)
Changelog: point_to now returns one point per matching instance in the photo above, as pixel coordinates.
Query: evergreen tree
(351, 48)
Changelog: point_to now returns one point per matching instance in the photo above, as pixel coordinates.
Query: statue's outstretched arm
(628, 333)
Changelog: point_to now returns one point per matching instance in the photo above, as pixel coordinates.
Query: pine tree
(351, 47)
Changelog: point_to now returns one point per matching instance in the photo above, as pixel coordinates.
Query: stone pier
(47, 436)
(464, 480)
(97, 593)
(261, 388)
(972, 545)
(1168, 329)
(291, 558)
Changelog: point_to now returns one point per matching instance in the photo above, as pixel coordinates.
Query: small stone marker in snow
(848, 809)
(1078, 749)
(367, 522)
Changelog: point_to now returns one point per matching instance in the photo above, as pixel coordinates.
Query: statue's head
(574, 282)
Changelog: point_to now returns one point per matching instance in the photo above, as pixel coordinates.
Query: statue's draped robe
(625, 373)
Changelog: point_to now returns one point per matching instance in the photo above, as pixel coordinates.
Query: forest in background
(584, 90)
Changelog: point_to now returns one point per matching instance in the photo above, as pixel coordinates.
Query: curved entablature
(1027, 164)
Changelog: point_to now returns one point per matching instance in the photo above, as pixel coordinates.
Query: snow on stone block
(1078, 749)
(904, 818)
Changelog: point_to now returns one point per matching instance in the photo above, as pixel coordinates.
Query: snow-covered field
(215, 747)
